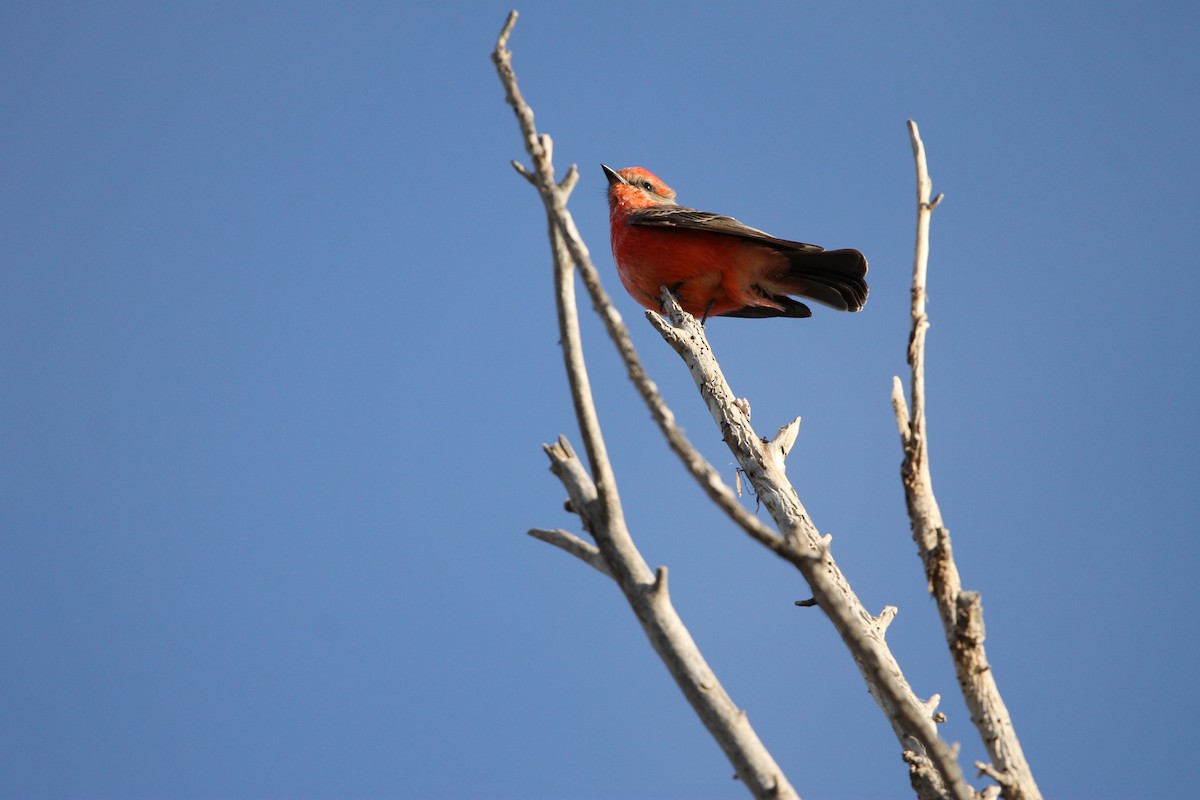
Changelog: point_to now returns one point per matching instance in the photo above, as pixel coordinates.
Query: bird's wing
(691, 219)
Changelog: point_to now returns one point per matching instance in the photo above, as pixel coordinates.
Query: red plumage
(715, 265)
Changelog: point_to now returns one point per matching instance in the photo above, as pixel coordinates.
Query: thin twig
(570, 543)
(961, 612)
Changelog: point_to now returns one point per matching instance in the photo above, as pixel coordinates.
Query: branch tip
(560, 450)
(962, 619)
(570, 543)
(524, 172)
(502, 53)
(781, 445)
(657, 321)
(884, 620)
(596, 494)
(567, 185)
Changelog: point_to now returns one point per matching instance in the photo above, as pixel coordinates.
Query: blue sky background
(280, 354)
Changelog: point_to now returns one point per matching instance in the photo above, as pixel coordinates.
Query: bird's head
(636, 187)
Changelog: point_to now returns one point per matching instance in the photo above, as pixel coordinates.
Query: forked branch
(801, 544)
(933, 767)
(961, 611)
(598, 503)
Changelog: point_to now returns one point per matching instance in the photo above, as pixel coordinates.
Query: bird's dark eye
(649, 187)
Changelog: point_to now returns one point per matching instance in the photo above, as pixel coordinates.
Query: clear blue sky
(280, 355)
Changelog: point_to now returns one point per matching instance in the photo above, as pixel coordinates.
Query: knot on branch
(658, 589)
(922, 774)
(916, 338)
(968, 626)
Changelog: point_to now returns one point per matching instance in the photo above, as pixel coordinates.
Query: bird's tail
(836, 278)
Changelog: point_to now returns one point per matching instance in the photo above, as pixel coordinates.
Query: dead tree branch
(933, 766)
(802, 545)
(961, 611)
(598, 503)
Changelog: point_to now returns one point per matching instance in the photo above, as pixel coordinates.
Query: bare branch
(569, 542)
(598, 504)
(800, 543)
(808, 552)
(537, 145)
(803, 546)
(648, 596)
(961, 612)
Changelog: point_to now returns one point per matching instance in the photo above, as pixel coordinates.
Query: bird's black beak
(613, 176)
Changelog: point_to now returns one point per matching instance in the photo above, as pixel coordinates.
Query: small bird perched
(716, 266)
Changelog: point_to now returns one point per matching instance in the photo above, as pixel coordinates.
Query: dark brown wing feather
(791, 308)
(836, 278)
(684, 217)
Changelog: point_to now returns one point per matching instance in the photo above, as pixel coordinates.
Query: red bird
(715, 265)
